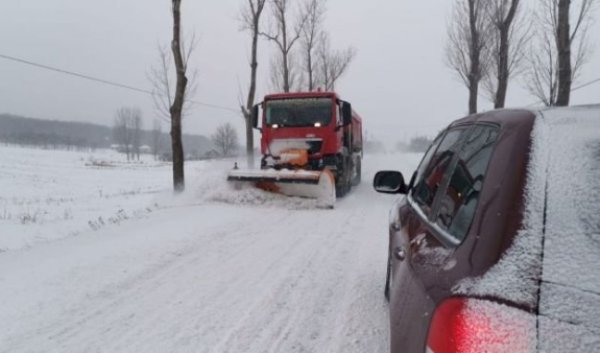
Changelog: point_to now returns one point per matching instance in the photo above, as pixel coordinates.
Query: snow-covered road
(209, 277)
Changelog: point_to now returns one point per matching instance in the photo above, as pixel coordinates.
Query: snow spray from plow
(319, 185)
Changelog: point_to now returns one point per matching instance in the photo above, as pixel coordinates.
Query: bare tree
(466, 49)
(225, 139)
(564, 39)
(163, 81)
(561, 50)
(277, 74)
(137, 125)
(127, 129)
(542, 76)
(156, 138)
(331, 64)
(508, 36)
(285, 37)
(176, 105)
(121, 133)
(250, 18)
(314, 11)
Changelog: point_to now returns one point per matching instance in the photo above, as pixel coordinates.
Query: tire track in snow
(99, 304)
(285, 269)
(247, 279)
(273, 325)
(316, 303)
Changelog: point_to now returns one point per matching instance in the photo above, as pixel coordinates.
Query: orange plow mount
(319, 185)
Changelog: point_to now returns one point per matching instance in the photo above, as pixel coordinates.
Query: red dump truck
(311, 144)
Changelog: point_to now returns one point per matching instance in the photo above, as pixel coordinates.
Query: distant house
(120, 148)
(211, 154)
(145, 149)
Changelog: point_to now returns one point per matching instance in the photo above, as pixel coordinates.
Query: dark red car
(495, 246)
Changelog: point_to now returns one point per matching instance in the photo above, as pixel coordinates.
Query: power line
(586, 84)
(103, 81)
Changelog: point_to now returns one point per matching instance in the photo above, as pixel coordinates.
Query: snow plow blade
(319, 185)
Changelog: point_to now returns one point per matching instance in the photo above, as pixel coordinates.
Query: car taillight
(464, 325)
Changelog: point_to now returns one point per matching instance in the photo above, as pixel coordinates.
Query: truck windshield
(299, 112)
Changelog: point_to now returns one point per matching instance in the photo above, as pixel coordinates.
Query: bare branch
(127, 131)
(159, 77)
(564, 52)
(285, 36)
(508, 36)
(156, 138)
(315, 11)
(583, 17)
(467, 52)
(225, 139)
(273, 38)
(162, 80)
(332, 64)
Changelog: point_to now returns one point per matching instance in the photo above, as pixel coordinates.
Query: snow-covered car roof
(554, 262)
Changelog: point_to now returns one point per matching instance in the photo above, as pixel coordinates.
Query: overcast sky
(398, 81)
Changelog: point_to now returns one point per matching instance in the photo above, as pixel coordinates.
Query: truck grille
(279, 145)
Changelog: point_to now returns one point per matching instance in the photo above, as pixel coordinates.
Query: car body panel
(432, 269)
(534, 241)
(570, 293)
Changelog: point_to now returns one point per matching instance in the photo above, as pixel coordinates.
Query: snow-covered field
(98, 256)
(51, 194)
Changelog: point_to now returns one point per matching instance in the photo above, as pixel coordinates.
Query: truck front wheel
(357, 176)
(344, 178)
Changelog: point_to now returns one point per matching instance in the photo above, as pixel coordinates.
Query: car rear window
(458, 202)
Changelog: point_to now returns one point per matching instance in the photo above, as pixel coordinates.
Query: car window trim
(446, 238)
(442, 235)
(448, 177)
(441, 136)
(441, 191)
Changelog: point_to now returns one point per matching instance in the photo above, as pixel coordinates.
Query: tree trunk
(177, 150)
(475, 53)
(473, 92)
(249, 142)
(286, 73)
(563, 44)
(504, 27)
(309, 66)
(177, 107)
(285, 53)
(251, 94)
(503, 73)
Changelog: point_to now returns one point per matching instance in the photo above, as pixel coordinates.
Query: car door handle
(400, 253)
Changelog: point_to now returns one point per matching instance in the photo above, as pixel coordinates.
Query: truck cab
(321, 125)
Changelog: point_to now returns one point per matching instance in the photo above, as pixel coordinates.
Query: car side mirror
(389, 182)
(254, 116)
(346, 113)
